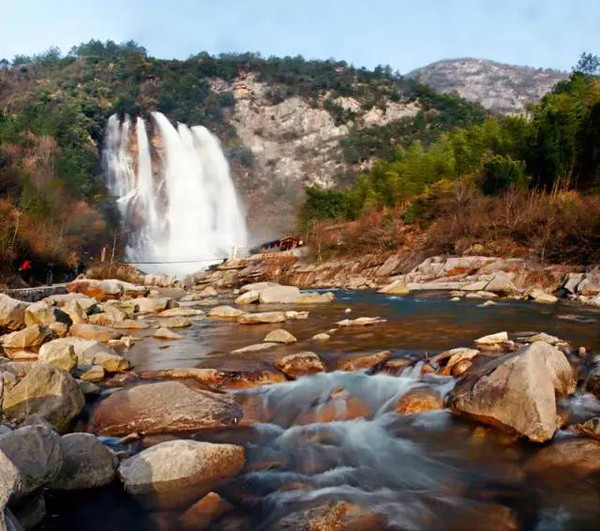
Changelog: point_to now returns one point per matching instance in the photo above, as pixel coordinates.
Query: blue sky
(403, 34)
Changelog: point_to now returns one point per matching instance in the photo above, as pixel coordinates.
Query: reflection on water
(335, 436)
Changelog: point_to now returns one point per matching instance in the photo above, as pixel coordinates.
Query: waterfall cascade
(177, 201)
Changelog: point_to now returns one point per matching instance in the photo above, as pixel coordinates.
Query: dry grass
(563, 227)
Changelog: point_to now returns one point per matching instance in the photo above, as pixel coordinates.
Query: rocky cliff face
(499, 87)
(294, 143)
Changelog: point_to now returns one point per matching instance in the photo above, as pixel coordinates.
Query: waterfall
(179, 208)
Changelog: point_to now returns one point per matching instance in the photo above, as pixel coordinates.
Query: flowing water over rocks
(350, 433)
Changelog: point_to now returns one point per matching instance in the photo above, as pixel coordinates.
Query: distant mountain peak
(499, 87)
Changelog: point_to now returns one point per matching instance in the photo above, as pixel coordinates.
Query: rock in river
(225, 312)
(88, 353)
(163, 407)
(87, 463)
(174, 473)
(261, 318)
(280, 336)
(35, 452)
(94, 332)
(300, 364)
(517, 391)
(419, 400)
(46, 391)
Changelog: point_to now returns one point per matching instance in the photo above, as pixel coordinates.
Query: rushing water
(177, 201)
(335, 435)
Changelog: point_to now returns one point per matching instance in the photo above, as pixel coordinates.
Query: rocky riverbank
(66, 383)
(398, 273)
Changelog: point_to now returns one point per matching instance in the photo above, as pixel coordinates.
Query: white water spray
(178, 204)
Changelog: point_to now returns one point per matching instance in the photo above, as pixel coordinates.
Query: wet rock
(87, 463)
(315, 298)
(455, 299)
(88, 353)
(517, 391)
(47, 391)
(300, 364)
(590, 428)
(331, 516)
(180, 312)
(94, 332)
(30, 511)
(250, 297)
(481, 295)
(279, 295)
(88, 388)
(261, 318)
(153, 304)
(361, 321)
(461, 367)
(35, 452)
(419, 400)
(293, 315)
(280, 336)
(398, 287)
(454, 357)
(579, 456)
(11, 480)
(222, 379)
(176, 322)
(487, 304)
(257, 347)
(363, 361)
(63, 358)
(225, 312)
(396, 366)
(12, 313)
(172, 474)
(205, 511)
(165, 333)
(538, 295)
(32, 336)
(163, 407)
(321, 337)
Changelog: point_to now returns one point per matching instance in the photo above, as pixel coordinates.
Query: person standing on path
(25, 270)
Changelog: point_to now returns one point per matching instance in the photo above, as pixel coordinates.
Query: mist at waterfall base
(179, 208)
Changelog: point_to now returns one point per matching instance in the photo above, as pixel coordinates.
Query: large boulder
(88, 353)
(42, 313)
(12, 313)
(35, 452)
(95, 332)
(87, 463)
(279, 295)
(64, 358)
(47, 391)
(11, 481)
(174, 473)
(517, 391)
(32, 336)
(164, 407)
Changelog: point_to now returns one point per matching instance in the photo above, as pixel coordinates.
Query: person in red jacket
(25, 270)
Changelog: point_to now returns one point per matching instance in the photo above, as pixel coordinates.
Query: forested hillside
(510, 185)
(285, 123)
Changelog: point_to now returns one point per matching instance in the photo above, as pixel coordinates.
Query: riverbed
(335, 436)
